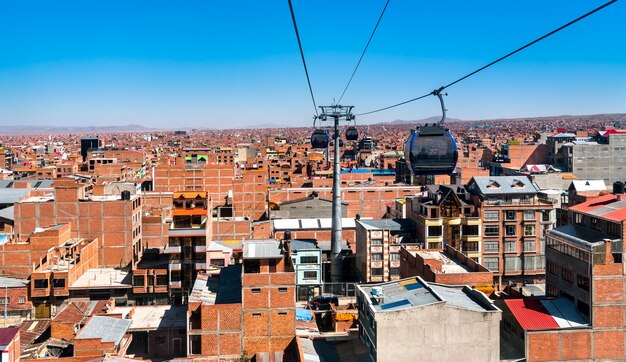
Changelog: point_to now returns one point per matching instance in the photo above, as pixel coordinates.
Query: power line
(306, 71)
(497, 60)
(364, 50)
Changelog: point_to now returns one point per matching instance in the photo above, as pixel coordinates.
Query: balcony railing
(176, 284)
(200, 266)
(175, 266)
(534, 201)
(200, 248)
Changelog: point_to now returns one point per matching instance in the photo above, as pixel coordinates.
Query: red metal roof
(7, 334)
(594, 203)
(531, 314)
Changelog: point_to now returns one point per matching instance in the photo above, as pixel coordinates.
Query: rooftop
(581, 236)
(303, 224)
(262, 249)
(388, 224)
(101, 278)
(6, 282)
(608, 207)
(538, 314)
(149, 318)
(449, 265)
(105, 328)
(502, 185)
(415, 292)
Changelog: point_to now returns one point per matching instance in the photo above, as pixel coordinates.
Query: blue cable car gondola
(431, 149)
(320, 138)
(352, 134)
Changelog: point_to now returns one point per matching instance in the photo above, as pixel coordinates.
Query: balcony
(172, 250)
(200, 266)
(200, 248)
(175, 266)
(539, 201)
(176, 284)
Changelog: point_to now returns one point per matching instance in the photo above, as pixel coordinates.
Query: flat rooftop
(581, 236)
(415, 292)
(388, 224)
(105, 328)
(101, 278)
(449, 264)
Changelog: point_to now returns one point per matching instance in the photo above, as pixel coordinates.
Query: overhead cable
(497, 60)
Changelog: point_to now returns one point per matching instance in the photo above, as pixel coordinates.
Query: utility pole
(337, 113)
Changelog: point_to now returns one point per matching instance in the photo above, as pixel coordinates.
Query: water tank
(125, 195)
(377, 291)
(618, 187)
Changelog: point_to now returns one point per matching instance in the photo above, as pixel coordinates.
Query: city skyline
(201, 65)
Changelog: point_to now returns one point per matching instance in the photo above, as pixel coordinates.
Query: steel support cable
(364, 51)
(306, 70)
(497, 60)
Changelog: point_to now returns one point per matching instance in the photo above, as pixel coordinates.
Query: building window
(551, 290)
(583, 282)
(510, 230)
(567, 275)
(309, 275)
(377, 271)
(434, 231)
(377, 257)
(492, 263)
(582, 307)
(21, 300)
(377, 241)
(509, 215)
(510, 246)
(161, 279)
(492, 215)
(470, 230)
(492, 246)
(470, 247)
(579, 218)
(308, 259)
(41, 283)
(138, 281)
(394, 256)
(282, 290)
(595, 224)
(529, 246)
(492, 231)
(545, 215)
(256, 290)
(59, 283)
(529, 230)
(529, 215)
(4, 301)
(614, 229)
(552, 267)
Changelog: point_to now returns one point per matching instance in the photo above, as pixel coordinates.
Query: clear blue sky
(236, 63)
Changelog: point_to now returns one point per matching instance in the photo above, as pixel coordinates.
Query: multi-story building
(444, 217)
(378, 247)
(412, 320)
(114, 219)
(15, 300)
(307, 261)
(515, 218)
(268, 298)
(189, 233)
(583, 316)
(600, 159)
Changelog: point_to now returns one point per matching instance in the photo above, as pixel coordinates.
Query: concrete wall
(437, 332)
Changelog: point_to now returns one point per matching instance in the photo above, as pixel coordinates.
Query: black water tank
(618, 187)
(125, 195)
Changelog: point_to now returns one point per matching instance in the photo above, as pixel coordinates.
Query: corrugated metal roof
(502, 185)
(105, 328)
(11, 196)
(7, 282)
(261, 249)
(537, 314)
(7, 334)
(606, 206)
(389, 224)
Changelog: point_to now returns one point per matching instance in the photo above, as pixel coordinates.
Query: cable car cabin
(320, 138)
(431, 150)
(352, 134)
